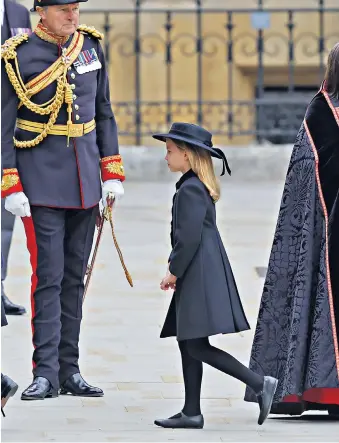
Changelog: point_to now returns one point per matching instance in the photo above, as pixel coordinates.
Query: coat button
(74, 97)
(73, 75)
(69, 68)
(77, 117)
(76, 107)
(73, 87)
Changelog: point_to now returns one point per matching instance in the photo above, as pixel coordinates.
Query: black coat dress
(206, 301)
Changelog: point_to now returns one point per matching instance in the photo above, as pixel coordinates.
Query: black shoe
(181, 421)
(40, 389)
(76, 385)
(333, 411)
(11, 308)
(265, 398)
(8, 389)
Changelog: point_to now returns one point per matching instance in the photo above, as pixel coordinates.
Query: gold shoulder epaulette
(8, 49)
(91, 30)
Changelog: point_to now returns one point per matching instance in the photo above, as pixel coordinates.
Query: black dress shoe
(8, 389)
(265, 398)
(11, 308)
(181, 421)
(40, 389)
(333, 411)
(76, 385)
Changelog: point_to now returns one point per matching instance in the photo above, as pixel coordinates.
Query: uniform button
(77, 117)
(74, 97)
(72, 86)
(76, 107)
(69, 68)
(73, 75)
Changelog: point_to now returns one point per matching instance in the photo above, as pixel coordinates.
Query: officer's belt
(72, 130)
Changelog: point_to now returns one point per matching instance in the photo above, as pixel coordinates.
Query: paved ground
(120, 348)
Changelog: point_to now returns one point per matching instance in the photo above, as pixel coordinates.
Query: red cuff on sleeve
(112, 168)
(10, 182)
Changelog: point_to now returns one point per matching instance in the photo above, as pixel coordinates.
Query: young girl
(206, 301)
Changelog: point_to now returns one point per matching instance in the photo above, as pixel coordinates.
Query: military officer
(63, 159)
(14, 20)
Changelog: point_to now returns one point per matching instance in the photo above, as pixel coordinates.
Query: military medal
(87, 61)
(18, 31)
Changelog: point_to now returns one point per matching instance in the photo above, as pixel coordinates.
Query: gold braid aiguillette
(8, 54)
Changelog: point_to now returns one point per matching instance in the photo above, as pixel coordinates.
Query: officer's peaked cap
(43, 3)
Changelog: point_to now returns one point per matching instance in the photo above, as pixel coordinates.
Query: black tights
(196, 351)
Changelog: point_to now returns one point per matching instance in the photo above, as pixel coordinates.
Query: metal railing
(272, 113)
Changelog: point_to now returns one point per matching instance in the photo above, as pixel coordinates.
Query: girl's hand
(168, 282)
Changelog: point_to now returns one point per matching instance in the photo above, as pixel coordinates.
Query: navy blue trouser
(60, 242)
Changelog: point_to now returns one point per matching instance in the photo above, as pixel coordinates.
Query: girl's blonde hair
(201, 163)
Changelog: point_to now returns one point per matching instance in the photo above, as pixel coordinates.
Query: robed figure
(296, 337)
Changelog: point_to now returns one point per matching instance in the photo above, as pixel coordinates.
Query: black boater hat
(197, 136)
(43, 3)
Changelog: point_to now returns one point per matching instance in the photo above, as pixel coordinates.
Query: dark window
(280, 113)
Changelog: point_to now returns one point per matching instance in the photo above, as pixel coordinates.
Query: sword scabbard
(100, 224)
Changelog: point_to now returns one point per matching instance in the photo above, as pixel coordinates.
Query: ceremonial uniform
(57, 104)
(15, 21)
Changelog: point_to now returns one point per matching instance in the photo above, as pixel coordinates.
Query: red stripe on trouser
(33, 251)
(327, 396)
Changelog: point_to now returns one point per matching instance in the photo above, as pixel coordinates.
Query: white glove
(114, 187)
(18, 204)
